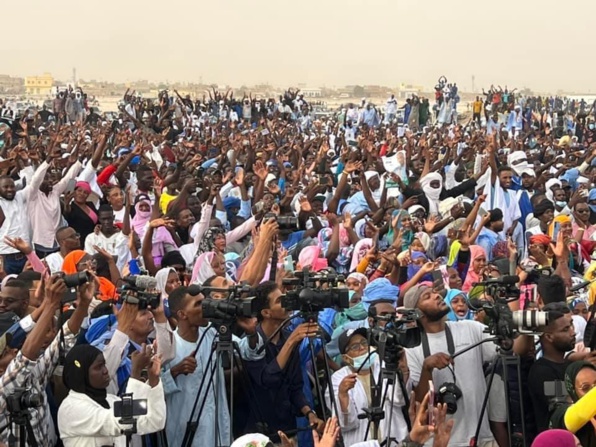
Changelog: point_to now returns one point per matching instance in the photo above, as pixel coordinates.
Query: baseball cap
(344, 339)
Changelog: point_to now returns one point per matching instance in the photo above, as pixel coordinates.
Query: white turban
(433, 194)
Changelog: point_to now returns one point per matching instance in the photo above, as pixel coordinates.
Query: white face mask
(561, 203)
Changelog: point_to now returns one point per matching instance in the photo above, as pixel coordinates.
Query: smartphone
(431, 403)
(323, 180)
(289, 263)
(556, 231)
(265, 132)
(70, 186)
(128, 407)
(482, 212)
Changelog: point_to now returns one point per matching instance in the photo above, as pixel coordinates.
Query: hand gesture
(18, 244)
(269, 230)
(260, 170)
(352, 166)
(303, 331)
(141, 359)
(410, 201)
(87, 290)
(347, 221)
(55, 290)
(162, 222)
(305, 204)
(188, 365)
(347, 383)
(330, 434)
(239, 178)
(104, 254)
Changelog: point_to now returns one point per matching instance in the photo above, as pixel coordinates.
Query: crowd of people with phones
(131, 247)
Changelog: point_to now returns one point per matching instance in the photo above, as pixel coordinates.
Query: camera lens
(530, 319)
(30, 400)
(76, 279)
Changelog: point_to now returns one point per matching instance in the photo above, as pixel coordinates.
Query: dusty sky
(520, 43)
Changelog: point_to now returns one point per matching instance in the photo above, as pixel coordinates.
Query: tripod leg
(485, 401)
(340, 440)
(318, 387)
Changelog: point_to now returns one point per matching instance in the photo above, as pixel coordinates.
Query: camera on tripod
(503, 322)
(315, 292)
(21, 399)
(239, 303)
(134, 291)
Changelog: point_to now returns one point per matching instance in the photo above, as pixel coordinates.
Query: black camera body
(315, 292)
(134, 291)
(21, 399)
(448, 393)
(75, 279)
(228, 310)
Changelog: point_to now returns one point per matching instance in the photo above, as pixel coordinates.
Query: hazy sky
(520, 43)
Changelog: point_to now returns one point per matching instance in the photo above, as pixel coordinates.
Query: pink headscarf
(141, 218)
(309, 257)
(360, 250)
(476, 251)
(202, 270)
(551, 438)
(84, 186)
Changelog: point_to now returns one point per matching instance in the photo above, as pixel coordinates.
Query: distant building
(8, 84)
(408, 90)
(39, 85)
(309, 92)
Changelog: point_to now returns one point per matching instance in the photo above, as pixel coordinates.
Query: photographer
(277, 379)
(432, 360)
(86, 417)
(352, 386)
(580, 379)
(35, 367)
(182, 376)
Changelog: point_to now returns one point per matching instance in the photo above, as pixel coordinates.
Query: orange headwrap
(540, 239)
(69, 266)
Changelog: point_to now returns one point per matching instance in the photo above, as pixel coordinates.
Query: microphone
(142, 282)
(581, 285)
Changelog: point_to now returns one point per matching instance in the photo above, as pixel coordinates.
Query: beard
(436, 316)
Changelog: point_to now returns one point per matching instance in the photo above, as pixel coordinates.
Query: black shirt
(543, 370)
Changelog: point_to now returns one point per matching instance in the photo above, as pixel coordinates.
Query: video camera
(21, 399)
(228, 309)
(315, 292)
(285, 223)
(505, 323)
(134, 291)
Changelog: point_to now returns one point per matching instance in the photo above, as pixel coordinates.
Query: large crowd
(254, 275)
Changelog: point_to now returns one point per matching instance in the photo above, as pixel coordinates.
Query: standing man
(390, 109)
(110, 238)
(477, 110)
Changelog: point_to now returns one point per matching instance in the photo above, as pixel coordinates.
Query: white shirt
(116, 245)
(54, 262)
(85, 423)
(16, 222)
(468, 373)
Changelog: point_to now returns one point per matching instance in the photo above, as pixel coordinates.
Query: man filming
(277, 379)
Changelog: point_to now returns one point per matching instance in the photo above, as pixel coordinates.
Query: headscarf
(541, 239)
(69, 265)
(407, 236)
(592, 196)
(543, 207)
(424, 239)
(84, 186)
(379, 289)
(311, 257)
(413, 268)
(571, 374)
(548, 187)
(452, 316)
(432, 194)
(229, 203)
(560, 219)
(559, 438)
(360, 250)
(141, 218)
(358, 277)
(162, 279)
(520, 167)
(208, 241)
(75, 374)
(202, 270)
(476, 251)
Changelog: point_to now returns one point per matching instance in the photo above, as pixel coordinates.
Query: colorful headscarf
(424, 239)
(69, 265)
(139, 222)
(413, 269)
(208, 241)
(560, 219)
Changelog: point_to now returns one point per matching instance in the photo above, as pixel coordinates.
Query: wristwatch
(309, 412)
(409, 443)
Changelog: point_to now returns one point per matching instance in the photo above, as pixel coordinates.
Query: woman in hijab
(214, 239)
(580, 378)
(86, 417)
(456, 300)
(79, 261)
(167, 280)
(418, 260)
(558, 438)
(209, 264)
(80, 214)
(142, 217)
(476, 265)
(401, 220)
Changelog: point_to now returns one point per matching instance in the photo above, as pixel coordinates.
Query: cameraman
(277, 379)
(352, 386)
(33, 367)
(432, 360)
(182, 376)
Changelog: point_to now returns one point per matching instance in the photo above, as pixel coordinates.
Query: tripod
(129, 431)
(505, 358)
(375, 413)
(22, 419)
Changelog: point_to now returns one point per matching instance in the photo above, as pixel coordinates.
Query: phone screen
(556, 231)
(431, 403)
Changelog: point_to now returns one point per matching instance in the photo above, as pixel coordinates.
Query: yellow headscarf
(560, 219)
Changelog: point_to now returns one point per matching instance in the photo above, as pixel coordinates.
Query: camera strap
(426, 346)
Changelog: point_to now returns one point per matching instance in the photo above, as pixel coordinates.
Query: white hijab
(520, 167)
(162, 279)
(548, 186)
